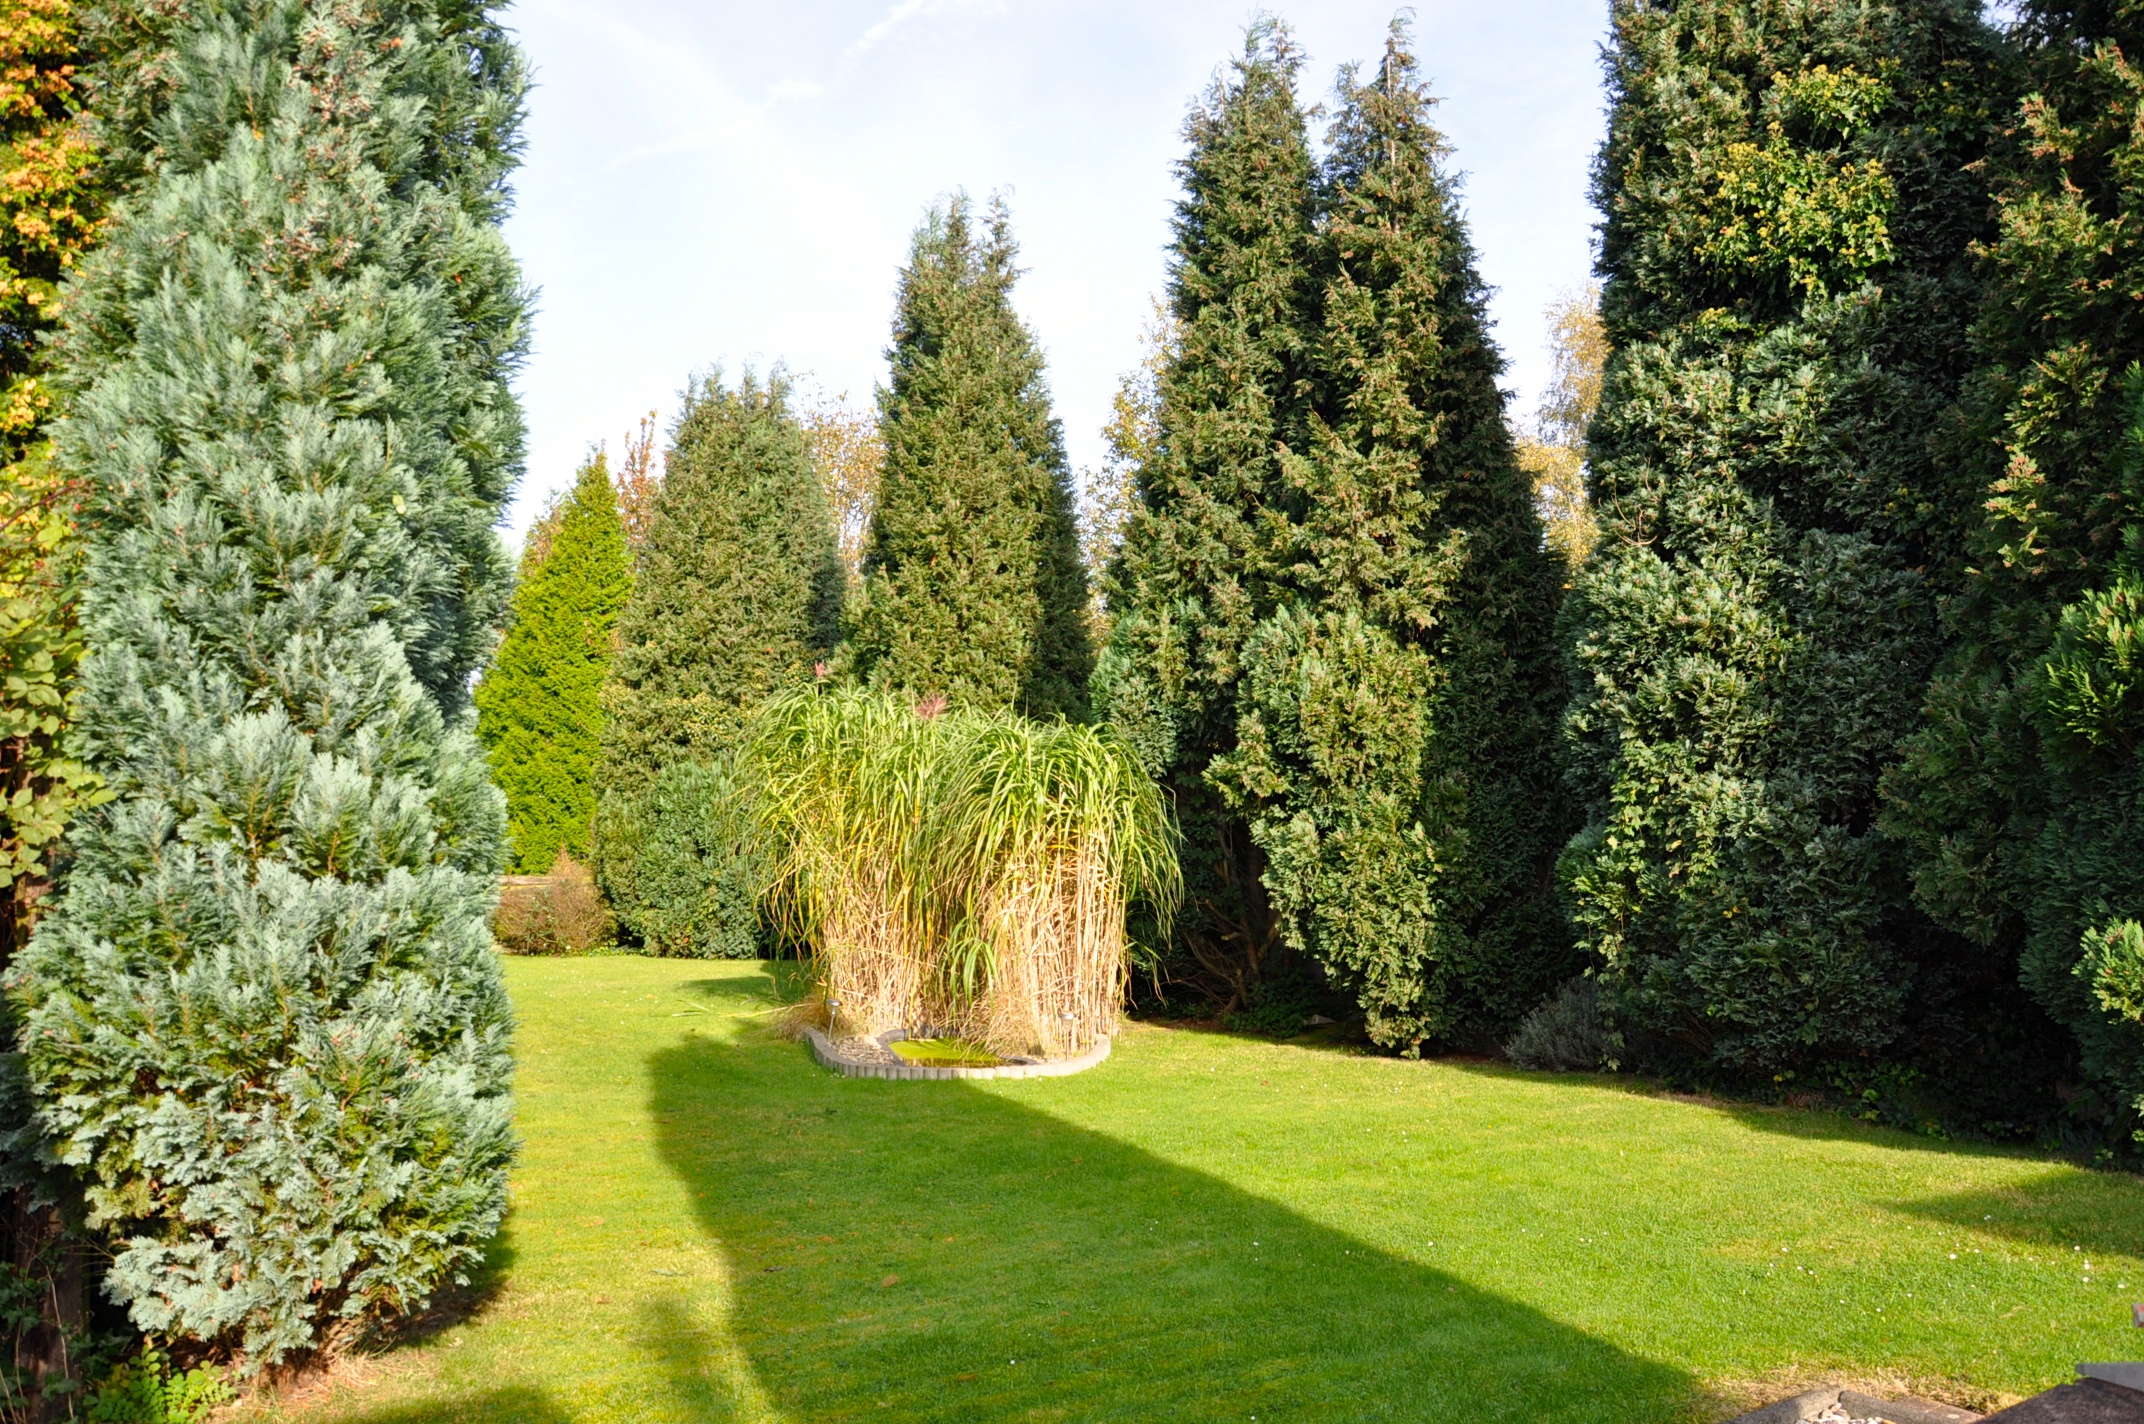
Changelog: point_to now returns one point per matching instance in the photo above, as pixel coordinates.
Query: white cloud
(906, 10)
(786, 89)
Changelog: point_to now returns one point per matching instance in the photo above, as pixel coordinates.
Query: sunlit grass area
(707, 1226)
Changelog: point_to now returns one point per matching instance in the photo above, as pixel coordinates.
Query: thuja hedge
(539, 706)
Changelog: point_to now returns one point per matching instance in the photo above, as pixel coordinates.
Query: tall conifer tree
(265, 1024)
(1193, 576)
(539, 707)
(1397, 708)
(973, 585)
(737, 588)
(2024, 791)
(1790, 204)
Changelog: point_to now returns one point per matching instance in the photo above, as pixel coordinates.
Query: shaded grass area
(708, 1227)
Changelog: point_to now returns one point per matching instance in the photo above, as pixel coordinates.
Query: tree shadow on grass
(1811, 1124)
(2092, 1213)
(946, 1252)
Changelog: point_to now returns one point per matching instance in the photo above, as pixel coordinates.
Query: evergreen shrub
(539, 709)
(688, 869)
(2022, 792)
(1333, 609)
(973, 586)
(736, 598)
(264, 1026)
(1791, 199)
(1569, 1033)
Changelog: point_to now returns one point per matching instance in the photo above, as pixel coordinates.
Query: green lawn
(707, 1226)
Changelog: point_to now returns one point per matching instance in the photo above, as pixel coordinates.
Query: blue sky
(735, 183)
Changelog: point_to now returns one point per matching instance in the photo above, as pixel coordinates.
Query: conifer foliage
(2024, 789)
(973, 585)
(737, 588)
(1337, 575)
(539, 707)
(1188, 586)
(1789, 204)
(1396, 719)
(265, 1024)
(736, 598)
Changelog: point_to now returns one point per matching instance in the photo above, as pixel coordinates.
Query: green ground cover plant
(946, 1053)
(706, 1226)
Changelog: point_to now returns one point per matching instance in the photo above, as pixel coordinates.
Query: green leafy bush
(146, 1390)
(2022, 792)
(682, 864)
(1791, 201)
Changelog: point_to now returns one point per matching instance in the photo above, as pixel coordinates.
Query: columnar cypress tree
(737, 592)
(265, 1024)
(1397, 708)
(539, 709)
(2024, 792)
(1191, 580)
(973, 585)
(737, 588)
(1789, 209)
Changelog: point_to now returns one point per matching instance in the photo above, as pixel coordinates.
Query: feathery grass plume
(963, 869)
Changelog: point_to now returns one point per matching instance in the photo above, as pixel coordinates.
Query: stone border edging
(829, 1057)
(1806, 1407)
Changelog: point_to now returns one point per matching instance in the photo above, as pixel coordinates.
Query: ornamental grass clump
(964, 869)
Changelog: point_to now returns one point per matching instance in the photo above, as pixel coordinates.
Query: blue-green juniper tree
(265, 1026)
